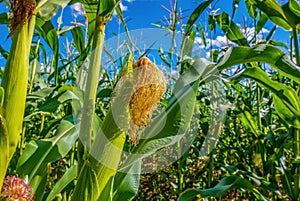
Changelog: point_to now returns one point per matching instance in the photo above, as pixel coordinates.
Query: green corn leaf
(274, 12)
(78, 37)
(286, 100)
(39, 153)
(93, 7)
(285, 93)
(287, 178)
(188, 41)
(66, 179)
(261, 53)
(4, 52)
(48, 8)
(123, 186)
(163, 57)
(40, 94)
(285, 113)
(262, 20)
(248, 121)
(187, 45)
(223, 186)
(270, 35)
(195, 15)
(106, 8)
(295, 7)
(278, 44)
(63, 30)
(86, 188)
(202, 35)
(1, 97)
(4, 18)
(211, 23)
(231, 30)
(4, 142)
(292, 17)
(64, 95)
(104, 93)
(38, 184)
(251, 8)
(47, 30)
(107, 191)
(126, 184)
(50, 35)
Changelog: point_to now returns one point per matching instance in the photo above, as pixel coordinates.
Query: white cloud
(77, 9)
(129, 1)
(199, 42)
(220, 42)
(250, 31)
(123, 8)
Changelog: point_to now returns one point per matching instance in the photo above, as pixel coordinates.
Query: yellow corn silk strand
(129, 66)
(148, 86)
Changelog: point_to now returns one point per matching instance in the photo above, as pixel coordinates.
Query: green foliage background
(256, 156)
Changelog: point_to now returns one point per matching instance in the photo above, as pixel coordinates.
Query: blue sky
(140, 14)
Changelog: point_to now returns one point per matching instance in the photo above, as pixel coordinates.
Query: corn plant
(14, 83)
(285, 17)
(74, 146)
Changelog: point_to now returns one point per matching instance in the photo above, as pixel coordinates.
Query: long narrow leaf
(231, 30)
(261, 53)
(274, 12)
(38, 154)
(286, 93)
(224, 185)
(86, 188)
(48, 8)
(285, 98)
(67, 178)
(195, 15)
(126, 184)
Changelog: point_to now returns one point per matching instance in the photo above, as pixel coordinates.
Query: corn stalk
(92, 175)
(14, 81)
(296, 131)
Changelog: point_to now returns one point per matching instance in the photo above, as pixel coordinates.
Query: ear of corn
(4, 156)
(15, 78)
(149, 85)
(136, 95)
